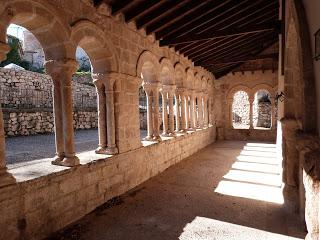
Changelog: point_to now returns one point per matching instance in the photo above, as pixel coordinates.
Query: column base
(112, 150)
(157, 138)
(172, 134)
(148, 138)
(165, 134)
(66, 161)
(6, 178)
(100, 150)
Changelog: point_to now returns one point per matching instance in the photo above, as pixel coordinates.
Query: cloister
(196, 174)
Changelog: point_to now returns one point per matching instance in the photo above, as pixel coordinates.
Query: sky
(16, 31)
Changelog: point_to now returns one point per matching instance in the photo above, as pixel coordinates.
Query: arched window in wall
(143, 112)
(241, 110)
(262, 110)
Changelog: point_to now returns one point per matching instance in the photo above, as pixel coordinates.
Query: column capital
(56, 68)
(151, 86)
(4, 49)
(168, 88)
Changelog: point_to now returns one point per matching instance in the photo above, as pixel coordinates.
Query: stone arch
(166, 72)
(99, 48)
(264, 86)
(204, 83)
(148, 67)
(190, 78)
(42, 20)
(197, 81)
(179, 75)
(238, 88)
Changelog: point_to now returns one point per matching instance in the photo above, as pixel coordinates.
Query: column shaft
(251, 113)
(164, 113)
(58, 120)
(192, 112)
(188, 122)
(200, 112)
(111, 128)
(183, 113)
(177, 112)
(102, 128)
(171, 113)
(156, 115)
(149, 115)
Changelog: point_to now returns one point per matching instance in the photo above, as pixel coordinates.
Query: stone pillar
(101, 101)
(205, 110)
(155, 90)
(61, 71)
(251, 112)
(111, 127)
(5, 177)
(188, 103)
(171, 111)
(148, 92)
(200, 111)
(273, 114)
(165, 120)
(177, 106)
(183, 112)
(192, 110)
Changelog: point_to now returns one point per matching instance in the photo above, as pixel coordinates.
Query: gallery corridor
(229, 190)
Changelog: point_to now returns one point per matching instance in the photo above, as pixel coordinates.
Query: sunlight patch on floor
(202, 228)
(255, 174)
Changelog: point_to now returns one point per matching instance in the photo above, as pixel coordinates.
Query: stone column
(61, 71)
(230, 115)
(171, 112)
(111, 127)
(188, 122)
(165, 121)
(205, 111)
(200, 111)
(5, 177)
(251, 100)
(183, 112)
(155, 90)
(273, 114)
(192, 111)
(177, 106)
(148, 92)
(101, 101)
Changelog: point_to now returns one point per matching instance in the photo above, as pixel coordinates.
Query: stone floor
(227, 191)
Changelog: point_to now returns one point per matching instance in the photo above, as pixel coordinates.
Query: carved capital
(61, 70)
(151, 87)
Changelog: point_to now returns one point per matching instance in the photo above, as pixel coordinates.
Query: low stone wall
(17, 123)
(249, 134)
(36, 208)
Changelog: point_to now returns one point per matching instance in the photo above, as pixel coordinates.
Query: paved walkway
(227, 191)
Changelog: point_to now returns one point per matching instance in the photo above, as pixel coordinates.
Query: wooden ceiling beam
(160, 12)
(239, 60)
(221, 34)
(142, 9)
(170, 19)
(120, 6)
(196, 16)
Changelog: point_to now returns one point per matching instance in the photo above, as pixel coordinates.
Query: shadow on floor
(229, 190)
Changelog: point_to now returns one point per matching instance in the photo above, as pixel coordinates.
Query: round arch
(40, 19)
(148, 67)
(190, 79)
(179, 75)
(238, 88)
(166, 72)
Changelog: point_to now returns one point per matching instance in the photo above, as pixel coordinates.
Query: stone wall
(241, 109)
(262, 115)
(42, 205)
(25, 89)
(17, 123)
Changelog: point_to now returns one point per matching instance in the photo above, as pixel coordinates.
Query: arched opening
(26, 99)
(147, 69)
(143, 112)
(262, 110)
(85, 115)
(241, 110)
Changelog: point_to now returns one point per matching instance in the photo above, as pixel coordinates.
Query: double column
(167, 92)
(106, 118)
(200, 110)
(192, 110)
(152, 92)
(61, 72)
(184, 122)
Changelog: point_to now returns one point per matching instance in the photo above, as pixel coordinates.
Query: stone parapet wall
(35, 208)
(17, 123)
